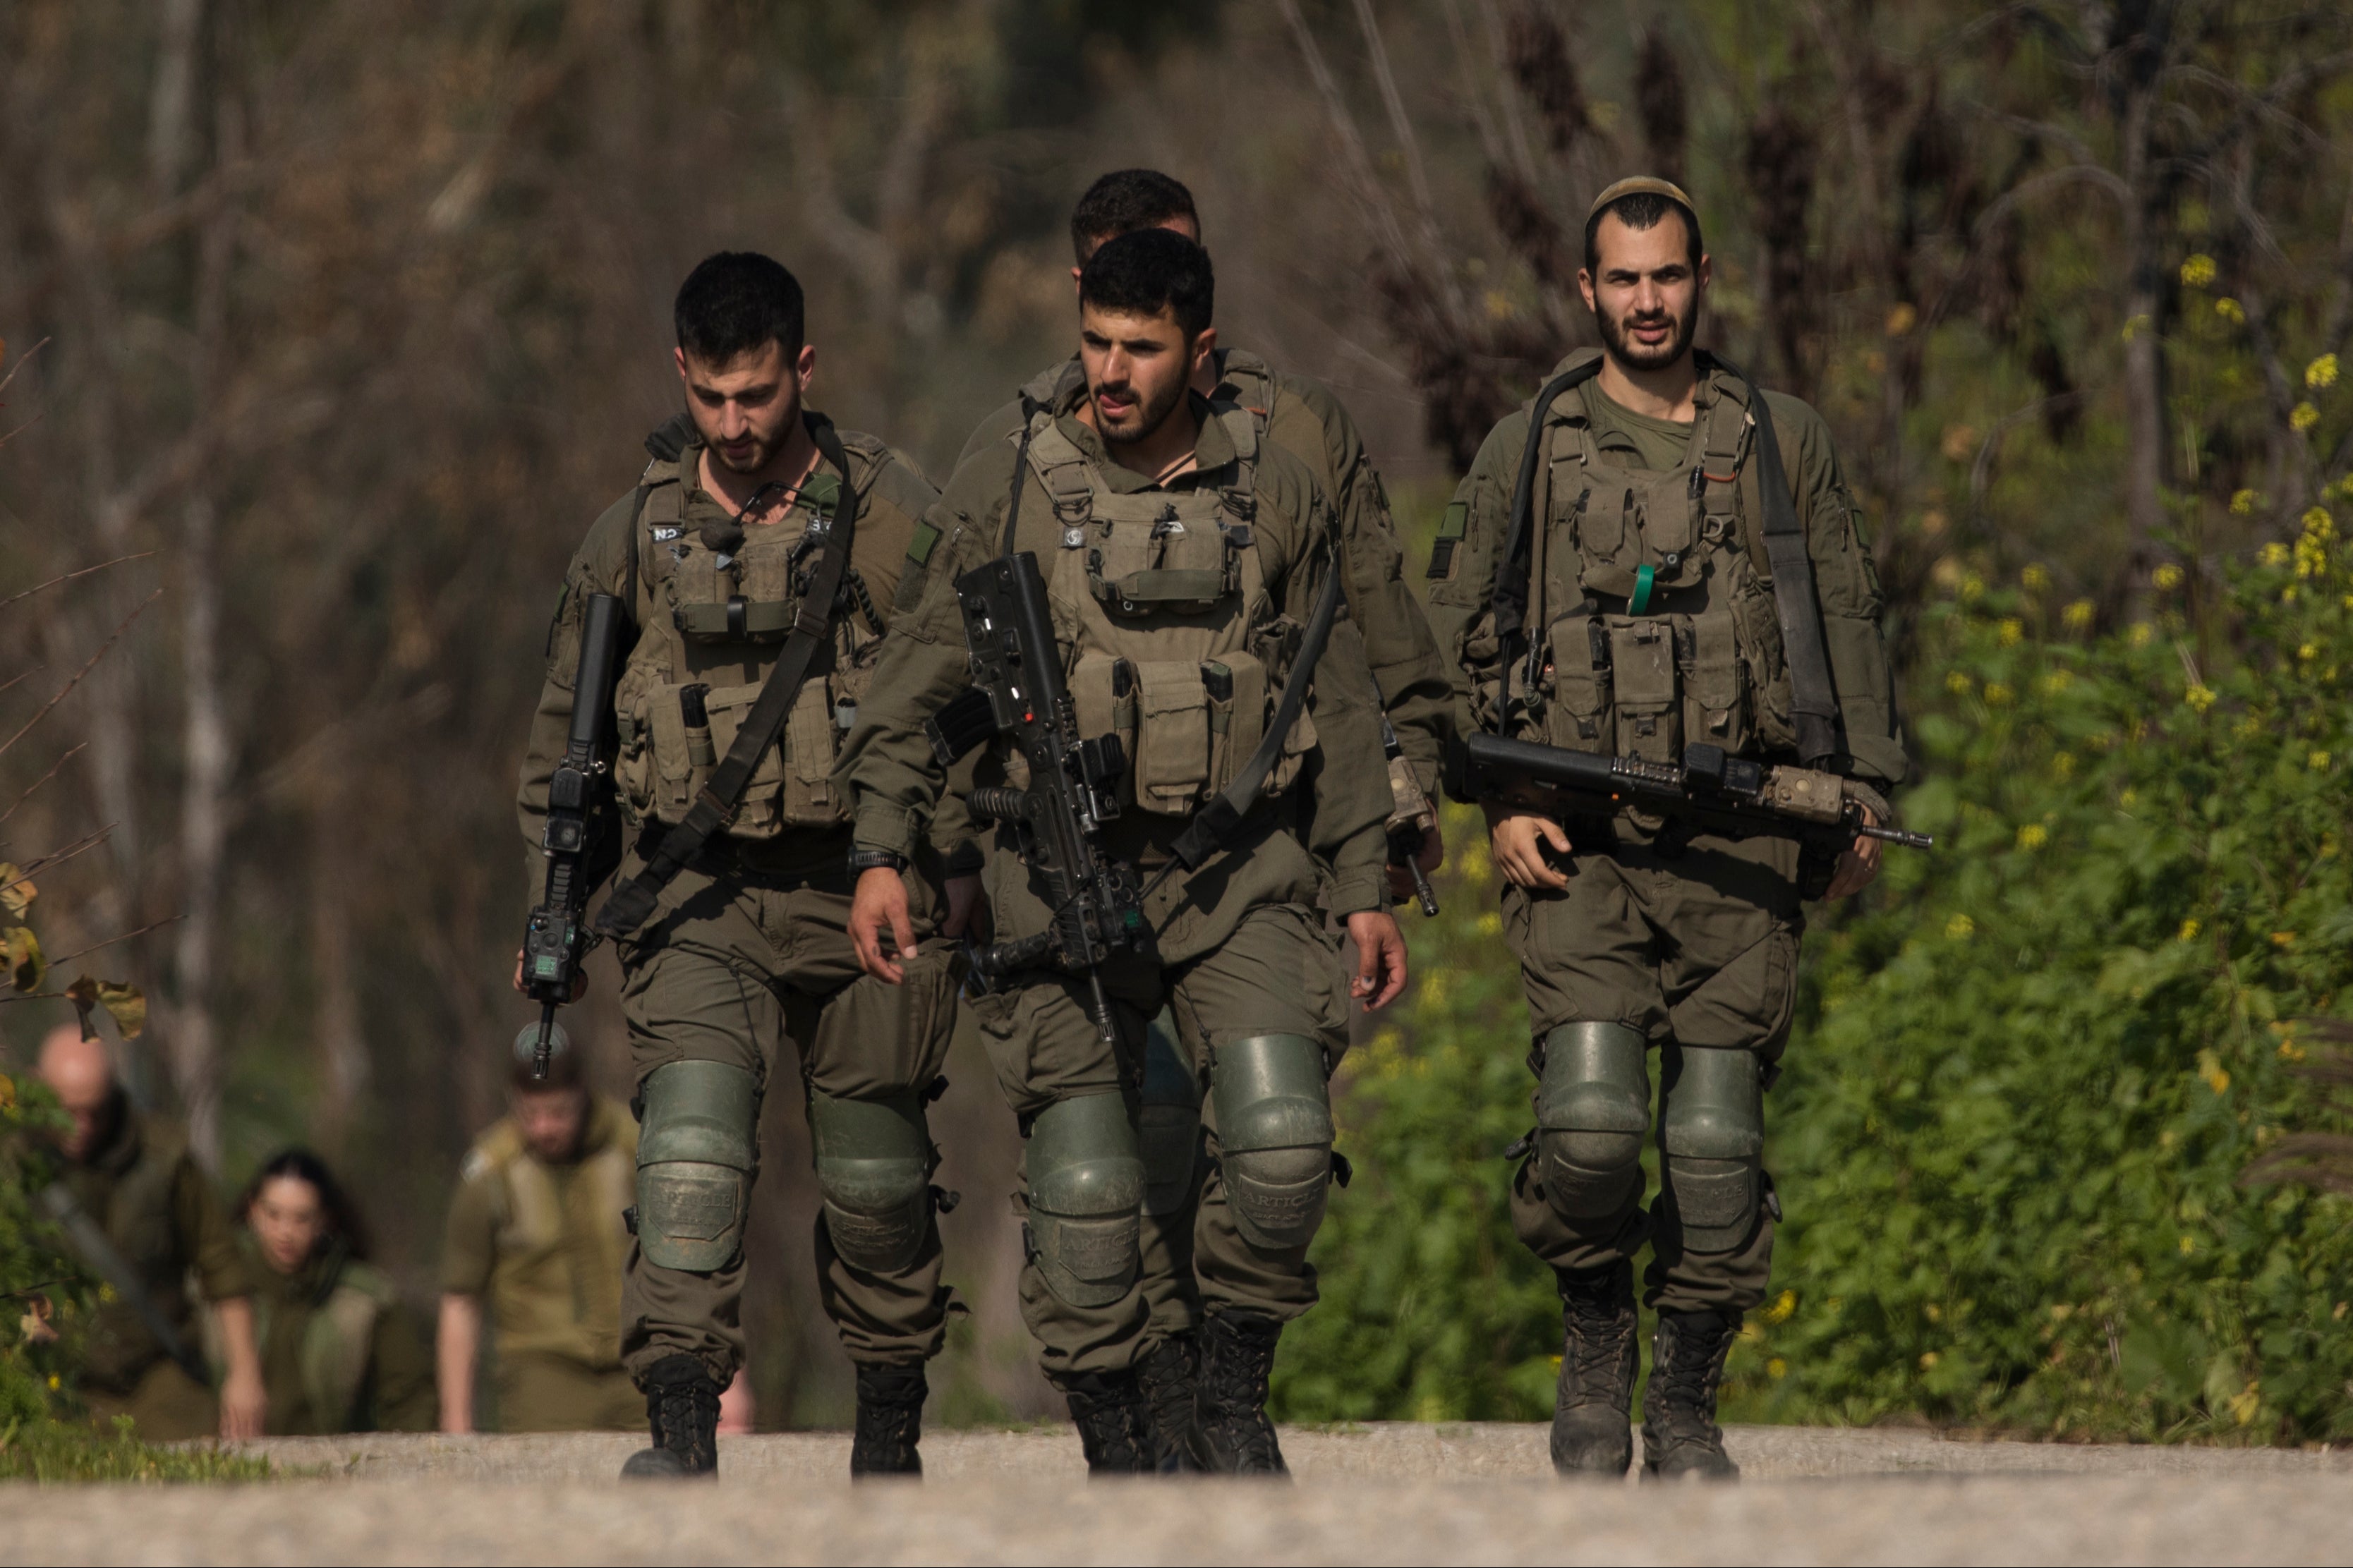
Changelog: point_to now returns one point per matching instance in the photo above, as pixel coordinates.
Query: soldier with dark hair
(1629, 568)
(745, 956)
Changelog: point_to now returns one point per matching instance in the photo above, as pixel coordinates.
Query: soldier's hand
(1431, 855)
(1859, 865)
(1520, 839)
(880, 906)
(1380, 958)
(964, 900)
(579, 979)
(243, 1404)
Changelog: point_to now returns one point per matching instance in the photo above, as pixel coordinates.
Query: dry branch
(84, 670)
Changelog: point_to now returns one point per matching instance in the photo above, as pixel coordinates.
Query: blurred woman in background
(338, 1351)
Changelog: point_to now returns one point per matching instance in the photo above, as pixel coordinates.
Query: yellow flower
(2140, 634)
(2321, 372)
(2032, 836)
(2209, 1067)
(1972, 586)
(1777, 1369)
(2318, 762)
(2198, 271)
(2129, 799)
(2290, 1051)
(1996, 694)
(2318, 524)
(2231, 311)
(1960, 928)
(2244, 502)
(2308, 651)
(2034, 579)
(2063, 765)
(2272, 554)
(2011, 630)
(1958, 684)
(1928, 1360)
(1784, 1306)
(2078, 616)
(2188, 1246)
(2189, 931)
(1902, 319)
(2134, 327)
(1490, 924)
(2244, 1404)
(2283, 938)
(2167, 577)
(7, 1092)
(2303, 416)
(2200, 697)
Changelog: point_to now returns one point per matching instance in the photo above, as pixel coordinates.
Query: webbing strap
(633, 901)
(1509, 601)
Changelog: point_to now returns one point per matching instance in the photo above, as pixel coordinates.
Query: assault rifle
(103, 1259)
(1411, 816)
(1018, 691)
(1707, 792)
(579, 812)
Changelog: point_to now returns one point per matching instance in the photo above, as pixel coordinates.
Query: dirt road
(1376, 1494)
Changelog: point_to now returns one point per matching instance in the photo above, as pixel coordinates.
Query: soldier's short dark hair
(1124, 201)
(341, 1216)
(1149, 271)
(1643, 209)
(736, 303)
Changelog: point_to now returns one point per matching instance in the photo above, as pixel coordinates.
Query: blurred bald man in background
(134, 1177)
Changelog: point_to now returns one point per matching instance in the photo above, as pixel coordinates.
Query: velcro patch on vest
(919, 549)
(1450, 530)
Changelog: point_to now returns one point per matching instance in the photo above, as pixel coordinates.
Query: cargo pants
(749, 955)
(1277, 974)
(1693, 947)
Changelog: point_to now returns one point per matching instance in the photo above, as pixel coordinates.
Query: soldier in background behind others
(133, 1176)
(535, 1231)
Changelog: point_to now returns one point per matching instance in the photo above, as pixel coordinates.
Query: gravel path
(1395, 1493)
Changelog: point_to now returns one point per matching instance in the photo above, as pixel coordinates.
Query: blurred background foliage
(345, 323)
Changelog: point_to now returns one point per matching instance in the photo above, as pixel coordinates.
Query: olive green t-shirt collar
(1213, 449)
(1653, 443)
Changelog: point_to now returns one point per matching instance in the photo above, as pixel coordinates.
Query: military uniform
(1179, 607)
(338, 1351)
(748, 951)
(146, 1192)
(1653, 604)
(545, 1244)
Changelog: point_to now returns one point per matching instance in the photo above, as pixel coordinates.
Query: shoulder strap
(633, 900)
(1813, 700)
(1510, 599)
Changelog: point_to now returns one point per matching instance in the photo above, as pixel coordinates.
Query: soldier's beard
(1143, 421)
(1636, 356)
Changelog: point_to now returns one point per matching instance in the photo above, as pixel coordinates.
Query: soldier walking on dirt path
(1653, 592)
(752, 500)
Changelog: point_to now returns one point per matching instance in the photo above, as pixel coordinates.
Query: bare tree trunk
(204, 835)
(343, 1045)
(170, 123)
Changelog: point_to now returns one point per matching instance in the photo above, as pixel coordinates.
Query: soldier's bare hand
(1431, 855)
(964, 900)
(1380, 958)
(1858, 866)
(1519, 839)
(880, 906)
(244, 1403)
(579, 979)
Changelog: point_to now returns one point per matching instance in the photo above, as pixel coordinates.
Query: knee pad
(1713, 1133)
(873, 1177)
(1274, 1136)
(697, 1151)
(1593, 1105)
(1086, 1198)
(1171, 1129)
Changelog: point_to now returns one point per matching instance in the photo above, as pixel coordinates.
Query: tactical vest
(711, 621)
(555, 1289)
(1172, 640)
(1657, 616)
(134, 1209)
(337, 1343)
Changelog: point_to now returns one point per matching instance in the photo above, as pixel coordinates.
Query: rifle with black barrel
(1708, 791)
(1018, 691)
(580, 842)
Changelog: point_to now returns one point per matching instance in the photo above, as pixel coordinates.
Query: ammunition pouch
(1086, 1195)
(873, 1177)
(1593, 1105)
(697, 1154)
(1274, 1136)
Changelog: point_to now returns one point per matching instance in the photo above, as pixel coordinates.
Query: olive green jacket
(1331, 830)
(339, 1352)
(1305, 419)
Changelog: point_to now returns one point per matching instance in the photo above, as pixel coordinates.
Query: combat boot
(890, 1421)
(1237, 1356)
(1167, 1373)
(1598, 1355)
(1680, 1436)
(683, 1406)
(1114, 1421)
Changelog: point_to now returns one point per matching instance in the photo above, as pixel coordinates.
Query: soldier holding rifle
(1633, 568)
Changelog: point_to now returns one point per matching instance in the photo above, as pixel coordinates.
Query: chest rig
(716, 602)
(1651, 615)
(1172, 640)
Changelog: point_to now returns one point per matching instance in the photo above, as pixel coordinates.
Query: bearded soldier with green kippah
(1619, 574)
(754, 567)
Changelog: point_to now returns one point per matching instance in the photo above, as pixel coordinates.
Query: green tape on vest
(1640, 603)
(919, 551)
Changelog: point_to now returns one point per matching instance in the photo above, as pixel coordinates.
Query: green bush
(2027, 1079)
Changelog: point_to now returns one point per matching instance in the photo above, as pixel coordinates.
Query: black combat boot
(1237, 1355)
(1114, 1421)
(890, 1421)
(683, 1406)
(1167, 1373)
(1680, 1436)
(1599, 1355)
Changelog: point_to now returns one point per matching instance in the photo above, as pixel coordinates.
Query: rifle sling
(633, 901)
(1510, 602)
(97, 1250)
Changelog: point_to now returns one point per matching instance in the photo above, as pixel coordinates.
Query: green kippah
(1649, 185)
